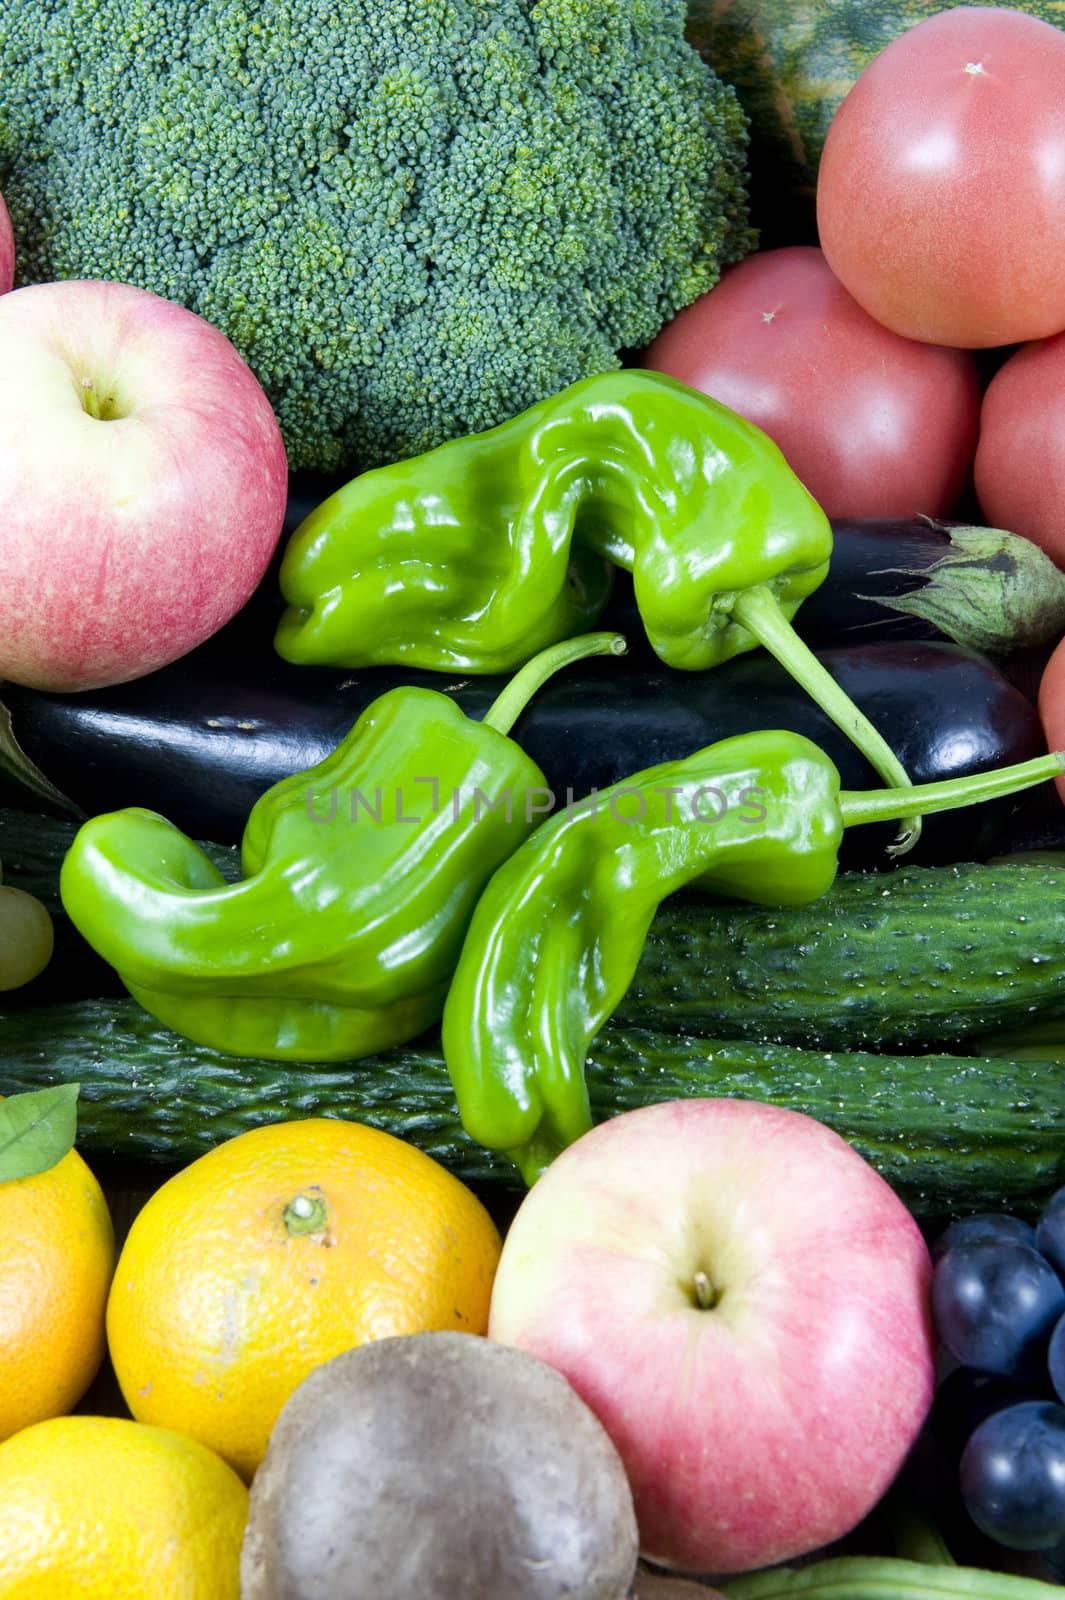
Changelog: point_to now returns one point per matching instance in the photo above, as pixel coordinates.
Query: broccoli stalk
(414, 218)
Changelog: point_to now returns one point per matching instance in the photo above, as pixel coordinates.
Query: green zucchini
(951, 1135)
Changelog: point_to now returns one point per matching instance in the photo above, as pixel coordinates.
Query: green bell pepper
(481, 551)
(557, 934)
(359, 878)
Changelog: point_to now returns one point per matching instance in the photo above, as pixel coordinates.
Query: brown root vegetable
(438, 1466)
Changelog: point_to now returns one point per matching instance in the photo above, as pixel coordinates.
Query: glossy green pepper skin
(465, 557)
(479, 552)
(359, 878)
(558, 933)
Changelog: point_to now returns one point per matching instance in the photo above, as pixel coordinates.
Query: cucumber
(951, 1135)
(922, 956)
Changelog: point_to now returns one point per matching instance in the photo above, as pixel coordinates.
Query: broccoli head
(414, 218)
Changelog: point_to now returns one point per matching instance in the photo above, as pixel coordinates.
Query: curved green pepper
(464, 557)
(558, 933)
(360, 876)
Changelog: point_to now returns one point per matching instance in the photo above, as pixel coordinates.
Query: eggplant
(915, 578)
(890, 580)
(1036, 823)
(200, 740)
(895, 579)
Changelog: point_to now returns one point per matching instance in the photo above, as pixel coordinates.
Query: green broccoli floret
(414, 218)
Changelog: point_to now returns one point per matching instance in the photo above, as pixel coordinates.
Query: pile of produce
(532, 762)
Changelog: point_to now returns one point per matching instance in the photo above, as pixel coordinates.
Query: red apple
(744, 1303)
(7, 249)
(143, 481)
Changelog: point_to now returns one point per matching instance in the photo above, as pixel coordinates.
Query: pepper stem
(758, 610)
(509, 704)
(884, 805)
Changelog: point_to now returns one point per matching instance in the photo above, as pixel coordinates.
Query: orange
(273, 1253)
(57, 1252)
(106, 1509)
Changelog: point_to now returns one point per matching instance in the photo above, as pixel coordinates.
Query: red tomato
(941, 193)
(874, 425)
(1052, 705)
(1020, 460)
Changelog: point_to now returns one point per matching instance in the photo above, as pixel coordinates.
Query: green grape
(26, 937)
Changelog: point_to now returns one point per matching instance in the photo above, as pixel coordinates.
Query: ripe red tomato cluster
(941, 210)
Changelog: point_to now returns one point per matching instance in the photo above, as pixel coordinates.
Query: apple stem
(89, 398)
(705, 1293)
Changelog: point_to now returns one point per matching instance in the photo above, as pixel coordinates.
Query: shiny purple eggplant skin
(917, 578)
(202, 739)
(874, 559)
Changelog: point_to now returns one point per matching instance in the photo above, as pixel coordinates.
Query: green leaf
(37, 1129)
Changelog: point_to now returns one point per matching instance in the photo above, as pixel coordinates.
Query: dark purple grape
(966, 1398)
(985, 1228)
(995, 1306)
(1050, 1231)
(1012, 1476)
(1056, 1358)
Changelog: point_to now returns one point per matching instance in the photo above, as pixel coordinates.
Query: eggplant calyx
(993, 591)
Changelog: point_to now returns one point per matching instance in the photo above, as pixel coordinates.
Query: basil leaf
(37, 1129)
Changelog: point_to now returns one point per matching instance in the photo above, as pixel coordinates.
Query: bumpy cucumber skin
(921, 955)
(950, 1134)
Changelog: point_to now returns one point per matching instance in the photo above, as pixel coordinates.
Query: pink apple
(769, 1420)
(142, 479)
(7, 249)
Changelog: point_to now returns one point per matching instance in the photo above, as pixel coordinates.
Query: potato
(438, 1466)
